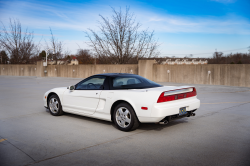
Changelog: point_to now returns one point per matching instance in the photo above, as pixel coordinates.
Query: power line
(209, 52)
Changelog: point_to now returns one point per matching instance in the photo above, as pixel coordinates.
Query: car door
(85, 97)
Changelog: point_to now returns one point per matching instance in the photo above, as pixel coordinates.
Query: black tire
(53, 103)
(124, 116)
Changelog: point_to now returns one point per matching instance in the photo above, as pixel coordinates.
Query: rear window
(132, 82)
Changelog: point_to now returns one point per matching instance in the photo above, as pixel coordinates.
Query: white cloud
(224, 1)
(214, 25)
(81, 18)
(84, 16)
(58, 16)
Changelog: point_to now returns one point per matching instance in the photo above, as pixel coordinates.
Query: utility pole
(47, 54)
(249, 49)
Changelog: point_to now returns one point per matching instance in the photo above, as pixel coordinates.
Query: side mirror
(72, 87)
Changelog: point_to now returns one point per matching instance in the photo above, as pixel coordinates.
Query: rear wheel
(125, 118)
(55, 106)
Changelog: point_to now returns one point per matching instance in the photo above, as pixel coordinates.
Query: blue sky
(182, 27)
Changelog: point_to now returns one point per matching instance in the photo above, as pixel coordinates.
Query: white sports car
(125, 99)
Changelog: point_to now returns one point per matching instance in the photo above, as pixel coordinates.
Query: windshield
(132, 82)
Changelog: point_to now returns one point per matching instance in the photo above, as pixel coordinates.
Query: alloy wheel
(54, 105)
(123, 117)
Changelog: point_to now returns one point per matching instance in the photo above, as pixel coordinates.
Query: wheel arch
(116, 103)
(50, 94)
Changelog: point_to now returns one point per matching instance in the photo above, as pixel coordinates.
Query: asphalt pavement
(219, 134)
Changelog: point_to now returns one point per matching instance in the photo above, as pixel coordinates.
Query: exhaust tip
(191, 114)
(164, 122)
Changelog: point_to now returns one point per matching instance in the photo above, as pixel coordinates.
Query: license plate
(182, 111)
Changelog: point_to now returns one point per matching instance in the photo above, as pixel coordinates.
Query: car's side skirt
(97, 115)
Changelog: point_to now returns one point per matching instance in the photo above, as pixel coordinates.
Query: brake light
(165, 98)
(191, 94)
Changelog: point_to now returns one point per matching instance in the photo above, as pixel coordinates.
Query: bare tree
(4, 57)
(84, 56)
(120, 39)
(67, 53)
(18, 43)
(236, 58)
(56, 45)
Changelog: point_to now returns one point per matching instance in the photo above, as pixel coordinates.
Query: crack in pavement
(19, 149)
(73, 151)
(209, 114)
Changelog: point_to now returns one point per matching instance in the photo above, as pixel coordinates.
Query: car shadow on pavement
(159, 127)
(143, 126)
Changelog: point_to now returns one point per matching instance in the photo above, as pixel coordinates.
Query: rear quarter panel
(141, 98)
(137, 99)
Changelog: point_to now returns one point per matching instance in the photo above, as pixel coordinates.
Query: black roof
(115, 74)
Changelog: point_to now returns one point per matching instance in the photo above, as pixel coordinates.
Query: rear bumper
(162, 110)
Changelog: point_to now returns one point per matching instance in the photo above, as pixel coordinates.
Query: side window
(120, 81)
(92, 83)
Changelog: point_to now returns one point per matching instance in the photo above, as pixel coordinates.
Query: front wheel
(55, 106)
(125, 118)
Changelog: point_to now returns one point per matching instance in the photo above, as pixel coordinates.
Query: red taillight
(191, 94)
(163, 98)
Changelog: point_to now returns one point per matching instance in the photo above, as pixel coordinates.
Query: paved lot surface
(219, 134)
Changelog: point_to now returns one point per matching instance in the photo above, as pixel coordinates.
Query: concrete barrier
(228, 74)
(145, 68)
(213, 74)
(75, 71)
(83, 71)
(18, 70)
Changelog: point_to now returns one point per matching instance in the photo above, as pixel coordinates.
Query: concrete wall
(229, 74)
(83, 71)
(75, 71)
(145, 68)
(18, 70)
(40, 69)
